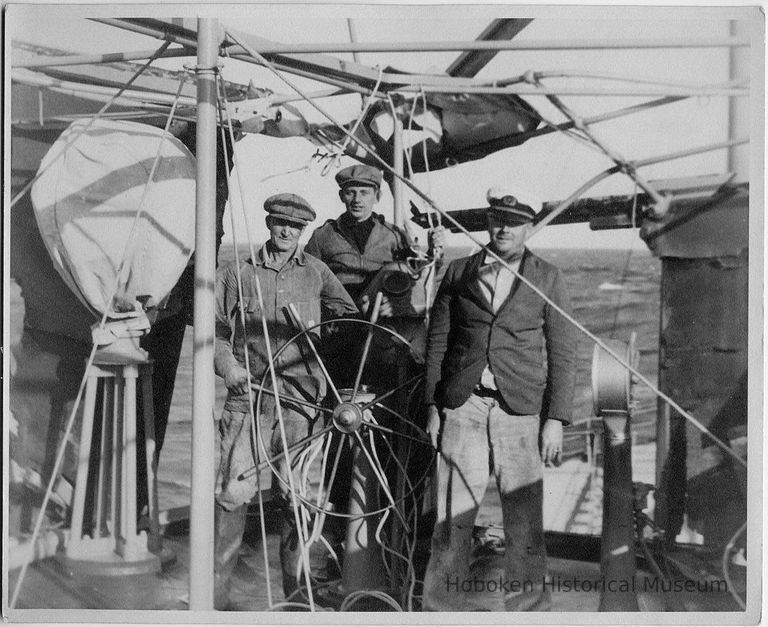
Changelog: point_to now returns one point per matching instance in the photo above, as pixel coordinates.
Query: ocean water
(614, 293)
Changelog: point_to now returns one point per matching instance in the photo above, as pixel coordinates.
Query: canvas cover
(450, 129)
(439, 130)
(86, 202)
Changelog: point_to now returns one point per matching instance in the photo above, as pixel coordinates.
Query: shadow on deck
(576, 585)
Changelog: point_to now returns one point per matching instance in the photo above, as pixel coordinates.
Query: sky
(544, 169)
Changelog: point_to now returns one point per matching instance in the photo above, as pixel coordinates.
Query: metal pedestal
(105, 535)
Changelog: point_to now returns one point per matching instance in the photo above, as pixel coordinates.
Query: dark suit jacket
(529, 346)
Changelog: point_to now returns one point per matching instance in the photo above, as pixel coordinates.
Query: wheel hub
(347, 417)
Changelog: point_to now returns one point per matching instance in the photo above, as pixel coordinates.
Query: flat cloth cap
(359, 175)
(502, 202)
(290, 207)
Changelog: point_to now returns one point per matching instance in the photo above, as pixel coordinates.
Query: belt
(485, 392)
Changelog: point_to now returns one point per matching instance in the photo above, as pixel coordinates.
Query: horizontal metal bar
(350, 87)
(541, 45)
(39, 80)
(525, 90)
(443, 46)
(346, 75)
(158, 33)
(110, 57)
(670, 156)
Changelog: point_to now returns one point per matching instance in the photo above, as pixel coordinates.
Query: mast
(203, 436)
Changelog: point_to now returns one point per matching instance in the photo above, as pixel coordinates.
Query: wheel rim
(353, 420)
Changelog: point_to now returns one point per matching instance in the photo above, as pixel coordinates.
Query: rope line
(241, 311)
(625, 269)
(272, 373)
(102, 324)
(336, 156)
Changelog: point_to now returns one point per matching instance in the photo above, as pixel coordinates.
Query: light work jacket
(303, 281)
(333, 244)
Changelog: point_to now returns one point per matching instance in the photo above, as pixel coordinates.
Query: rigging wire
(622, 282)
(271, 366)
(410, 545)
(425, 156)
(102, 323)
(614, 156)
(241, 311)
(584, 330)
(95, 117)
(335, 158)
(671, 402)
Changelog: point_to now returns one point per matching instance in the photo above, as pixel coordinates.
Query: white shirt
(495, 282)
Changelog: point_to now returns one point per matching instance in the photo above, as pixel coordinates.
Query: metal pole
(203, 436)
(268, 47)
(110, 57)
(617, 547)
(397, 165)
(353, 38)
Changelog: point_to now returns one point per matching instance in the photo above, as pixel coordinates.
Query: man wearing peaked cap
(359, 175)
(360, 242)
(495, 347)
(357, 246)
(286, 277)
(290, 207)
(506, 206)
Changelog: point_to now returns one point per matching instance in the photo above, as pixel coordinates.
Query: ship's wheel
(362, 413)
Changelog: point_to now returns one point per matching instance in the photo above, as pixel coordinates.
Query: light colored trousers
(477, 438)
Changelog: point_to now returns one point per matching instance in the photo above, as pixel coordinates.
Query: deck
(572, 506)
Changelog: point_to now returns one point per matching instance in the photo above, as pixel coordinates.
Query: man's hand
(436, 238)
(237, 380)
(551, 442)
(385, 311)
(433, 424)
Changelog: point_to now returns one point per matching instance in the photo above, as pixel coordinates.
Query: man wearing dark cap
(286, 276)
(360, 242)
(494, 347)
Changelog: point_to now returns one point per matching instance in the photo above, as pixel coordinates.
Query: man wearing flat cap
(360, 242)
(286, 276)
(495, 347)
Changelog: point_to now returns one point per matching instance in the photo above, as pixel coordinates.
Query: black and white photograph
(383, 309)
